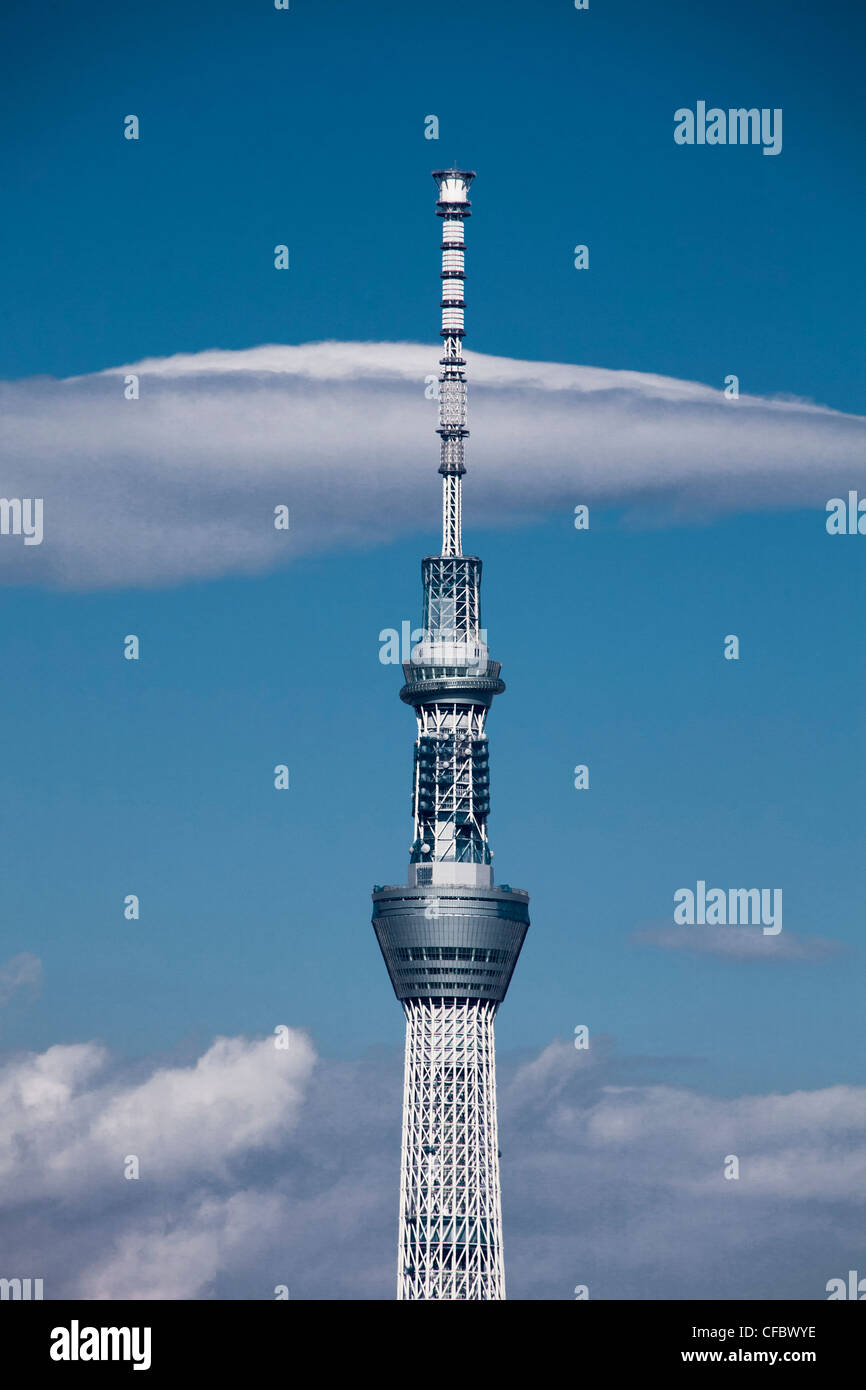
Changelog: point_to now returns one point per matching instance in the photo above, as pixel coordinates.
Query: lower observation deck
(457, 943)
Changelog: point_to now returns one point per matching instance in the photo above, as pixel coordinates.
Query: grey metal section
(433, 685)
(450, 943)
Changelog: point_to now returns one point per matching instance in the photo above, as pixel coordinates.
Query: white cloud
(68, 1125)
(741, 943)
(181, 1256)
(181, 484)
(261, 1168)
(623, 1188)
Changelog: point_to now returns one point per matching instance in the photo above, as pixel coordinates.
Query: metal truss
(452, 602)
(451, 795)
(450, 1244)
(452, 515)
(452, 380)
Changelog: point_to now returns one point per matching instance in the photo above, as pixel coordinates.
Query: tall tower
(450, 938)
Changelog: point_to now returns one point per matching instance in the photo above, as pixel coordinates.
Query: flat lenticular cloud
(181, 484)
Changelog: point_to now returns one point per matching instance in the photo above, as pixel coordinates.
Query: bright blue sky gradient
(306, 127)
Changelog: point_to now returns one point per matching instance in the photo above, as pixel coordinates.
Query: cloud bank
(261, 1167)
(181, 484)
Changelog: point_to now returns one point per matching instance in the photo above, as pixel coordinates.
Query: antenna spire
(453, 207)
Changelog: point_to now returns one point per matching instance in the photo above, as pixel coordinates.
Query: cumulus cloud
(182, 1255)
(181, 484)
(623, 1189)
(262, 1167)
(66, 1124)
(738, 943)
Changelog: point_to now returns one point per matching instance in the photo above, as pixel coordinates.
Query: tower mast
(453, 207)
(450, 937)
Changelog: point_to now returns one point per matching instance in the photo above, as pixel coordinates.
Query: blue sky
(261, 127)
(306, 126)
(156, 779)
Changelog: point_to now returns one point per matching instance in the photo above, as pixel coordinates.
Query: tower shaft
(450, 938)
(450, 1211)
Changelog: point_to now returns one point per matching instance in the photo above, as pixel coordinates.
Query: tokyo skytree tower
(449, 937)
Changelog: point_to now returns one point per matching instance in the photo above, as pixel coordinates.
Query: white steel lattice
(452, 511)
(454, 207)
(451, 811)
(450, 1205)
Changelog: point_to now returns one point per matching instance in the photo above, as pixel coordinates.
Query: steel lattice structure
(450, 1217)
(450, 937)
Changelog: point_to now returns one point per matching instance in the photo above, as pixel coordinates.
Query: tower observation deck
(450, 937)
